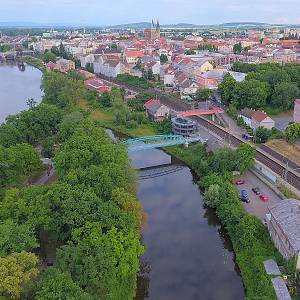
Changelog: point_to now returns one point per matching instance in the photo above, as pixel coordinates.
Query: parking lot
(256, 206)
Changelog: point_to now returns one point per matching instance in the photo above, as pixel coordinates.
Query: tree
(105, 99)
(212, 196)
(190, 52)
(203, 94)
(226, 88)
(49, 56)
(104, 264)
(245, 156)
(31, 103)
(48, 147)
(223, 160)
(16, 271)
(16, 237)
(163, 58)
(293, 133)
(285, 94)
(55, 284)
(262, 134)
(251, 93)
(55, 51)
(21, 160)
(237, 48)
(90, 67)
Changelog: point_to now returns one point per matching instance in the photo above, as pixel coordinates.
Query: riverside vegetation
(90, 213)
(250, 238)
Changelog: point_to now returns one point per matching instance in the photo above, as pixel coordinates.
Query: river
(16, 87)
(188, 255)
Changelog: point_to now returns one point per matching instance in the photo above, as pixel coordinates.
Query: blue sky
(108, 12)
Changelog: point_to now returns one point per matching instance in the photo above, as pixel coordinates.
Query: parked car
(245, 196)
(256, 191)
(264, 197)
(240, 182)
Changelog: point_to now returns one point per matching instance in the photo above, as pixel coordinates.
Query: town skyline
(131, 11)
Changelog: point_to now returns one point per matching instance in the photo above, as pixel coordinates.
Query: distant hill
(140, 25)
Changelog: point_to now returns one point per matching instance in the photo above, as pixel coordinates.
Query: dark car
(245, 196)
(256, 191)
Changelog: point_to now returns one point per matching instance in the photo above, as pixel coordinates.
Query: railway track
(273, 160)
(273, 163)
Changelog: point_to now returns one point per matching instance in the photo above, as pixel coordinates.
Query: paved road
(256, 206)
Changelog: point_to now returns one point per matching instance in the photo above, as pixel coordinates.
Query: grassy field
(290, 151)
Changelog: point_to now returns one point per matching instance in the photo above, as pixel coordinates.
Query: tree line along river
(188, 254)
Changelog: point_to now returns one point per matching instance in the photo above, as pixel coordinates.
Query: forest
(89, 215)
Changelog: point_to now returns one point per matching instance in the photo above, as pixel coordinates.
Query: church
(152, 33)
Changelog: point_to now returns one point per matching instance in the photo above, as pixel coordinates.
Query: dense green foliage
(293, 133)
(133, 80)
(17, 163)
(49, 57)
(190, 52)
(90, 212)
(31, 126)
(208, 47)
(266, 85)
(163, 58)
(5, 47)
(203, 94)
(249, 237)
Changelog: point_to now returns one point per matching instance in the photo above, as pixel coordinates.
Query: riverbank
(35, 62)
(250, 260)
(250, 239)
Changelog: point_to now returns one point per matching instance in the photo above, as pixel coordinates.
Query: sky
(110, 12)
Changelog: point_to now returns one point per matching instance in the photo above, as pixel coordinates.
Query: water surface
(188, 255)
(16, 87)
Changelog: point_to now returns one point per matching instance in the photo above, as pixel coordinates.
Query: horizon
(29, 24)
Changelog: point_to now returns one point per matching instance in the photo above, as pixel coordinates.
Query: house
(256, 118)
(132, 56)
(154, 66)
(188, 88)
(64, 65)
(261, 119)
(156, 111)
(283, 222)
(86, 59)
(297, 111)
(110, 66)
(246, 114)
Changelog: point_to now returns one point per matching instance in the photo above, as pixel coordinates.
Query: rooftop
(287, 215)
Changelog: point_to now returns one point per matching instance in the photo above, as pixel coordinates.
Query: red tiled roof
(151, 102)
(134, 53)
(259, 116)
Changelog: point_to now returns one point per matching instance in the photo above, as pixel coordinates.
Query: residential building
(261, 119)
(283, 221)
(62, 65)
(156, 111)
(256, 118)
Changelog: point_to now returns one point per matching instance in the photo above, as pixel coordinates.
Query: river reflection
(16, 87)
(188, 254)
